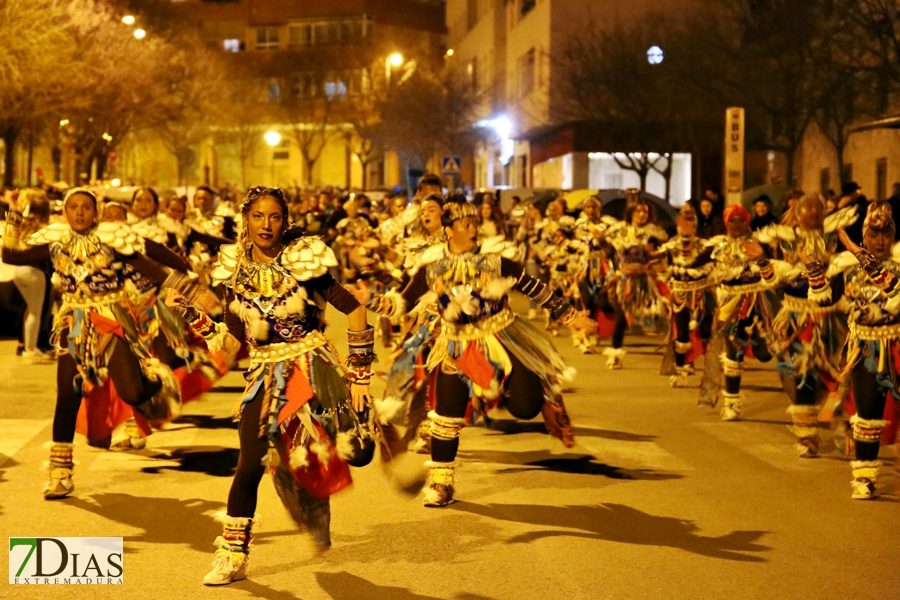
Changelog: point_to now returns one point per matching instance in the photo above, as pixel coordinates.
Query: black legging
(124, 371)
(250, 470)
(165, 353)
(526, 397)
(682, 333)
(870, 398)
(618, 336)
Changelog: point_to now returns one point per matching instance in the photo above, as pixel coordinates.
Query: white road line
(15, 433)
(769, 443)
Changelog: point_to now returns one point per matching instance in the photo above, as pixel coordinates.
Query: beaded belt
(80, 301)
(794, 304)
(688, 286)
(878, 333)
(284, 350)
(744, 288)
(476, 331)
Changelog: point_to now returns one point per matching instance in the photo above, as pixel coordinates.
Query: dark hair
(651, 214)
(150, 191)
(207, 189)
(430, 179)
(764, 198)
(182, 199)
(257, 192)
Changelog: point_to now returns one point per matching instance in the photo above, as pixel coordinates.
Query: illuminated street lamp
(140, 34)
(396, 59)
(450, 52)
(128, 19)
(655, 55)
(273, 138)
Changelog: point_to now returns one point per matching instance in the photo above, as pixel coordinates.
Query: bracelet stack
(13, 228)
(815, 273)
(361, 355)
(200, 323)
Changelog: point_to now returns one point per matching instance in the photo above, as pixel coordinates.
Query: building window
(847, 173)
(526, 6)
(336, 88)
(824, 180)
(881, 179)
(267, 38)
(301, 35)
(526, 73)
(472, 72)
(472, 13)
(232, 45)
(274, 92)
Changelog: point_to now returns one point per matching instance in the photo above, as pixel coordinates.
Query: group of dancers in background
(157, 302)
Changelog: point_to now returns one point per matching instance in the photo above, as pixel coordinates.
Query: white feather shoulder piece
(842, 218)
(120, 237)
(498, 245)
(149, 229)
(773, 232)
(55, 232)
(307, 258)
(223, 269)
(841, 263)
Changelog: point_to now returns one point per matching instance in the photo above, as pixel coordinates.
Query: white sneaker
(37, 357)
(228, 566)
(862, 489)
(60, 484)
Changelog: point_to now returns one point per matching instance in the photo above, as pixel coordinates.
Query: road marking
(15, 433)
(769, 443)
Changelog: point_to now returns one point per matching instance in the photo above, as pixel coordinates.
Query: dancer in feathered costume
(596, 267)
(483, 352)
(692, 301)
(301, 407)
(633, 288)
(744, 315)
(172, 339)
(811, 329)
(407, 380)
(564, 257)
(104, 368)
(872, 290)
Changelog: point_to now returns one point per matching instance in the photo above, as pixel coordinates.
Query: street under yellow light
(140, 34)
(128, 19)
(396, 59)
(273, 138)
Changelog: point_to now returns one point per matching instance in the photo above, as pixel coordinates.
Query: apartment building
(507, 47)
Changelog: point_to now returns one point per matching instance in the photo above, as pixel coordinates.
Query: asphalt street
(659, 499)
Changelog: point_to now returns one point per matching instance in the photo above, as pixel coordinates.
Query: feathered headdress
(879, 218)
(454, 211)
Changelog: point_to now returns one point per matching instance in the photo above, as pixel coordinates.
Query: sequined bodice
(469, 286)
(868, 303)
(84, 264)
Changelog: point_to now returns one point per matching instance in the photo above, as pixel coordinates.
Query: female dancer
(744, 315)
(298, 407)
(590, 228)
(101, 357)
(690, 266)
(873, 292)
(810, 327)
(633, 289)
(482, 348)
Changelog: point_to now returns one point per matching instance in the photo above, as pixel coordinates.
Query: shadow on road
(211, 460)
(620, 523)
(543, 460)
(163, 520)
(462, 539)
(261, 591)
(509, 426)
(345, 586)
(207, 422)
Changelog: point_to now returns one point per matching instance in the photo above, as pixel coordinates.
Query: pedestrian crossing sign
(451, 165)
